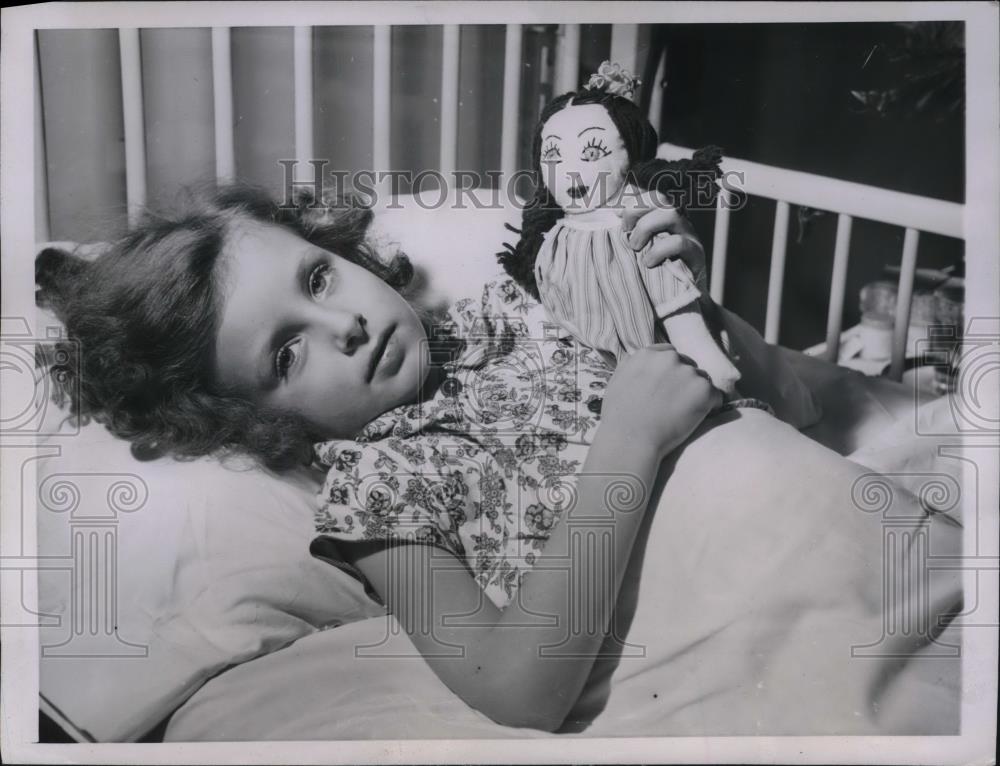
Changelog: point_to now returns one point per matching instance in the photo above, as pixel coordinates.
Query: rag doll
(591, 149)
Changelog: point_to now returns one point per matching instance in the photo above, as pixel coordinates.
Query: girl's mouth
(577, 191)
(385, 354)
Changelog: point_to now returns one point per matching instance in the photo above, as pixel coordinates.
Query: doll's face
(583, 158)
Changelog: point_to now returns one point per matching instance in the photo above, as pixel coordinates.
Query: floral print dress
(481, 468)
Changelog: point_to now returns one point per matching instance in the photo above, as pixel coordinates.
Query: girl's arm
(495, 660)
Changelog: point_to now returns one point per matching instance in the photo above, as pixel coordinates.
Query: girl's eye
(284, 358)
(551, 153)
(595, 150)
(320, 279)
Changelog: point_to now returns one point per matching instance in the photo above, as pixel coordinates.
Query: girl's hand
(650, 216)
(658, 396)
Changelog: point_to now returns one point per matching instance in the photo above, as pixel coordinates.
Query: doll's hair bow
(613, 78)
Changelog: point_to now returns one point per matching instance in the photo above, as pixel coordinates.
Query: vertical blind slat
(41, 163)
(567, 58)
(511, 100)
(222, 94)
(381, 87)
(838, 284)
(656, 95)
(135, 135)
(449, 99)
(777, 277)
(907, 270)
(625, 46)
(720, 244)
(303, 55)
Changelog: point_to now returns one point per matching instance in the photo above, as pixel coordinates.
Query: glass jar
(946, 337)
(878, 314)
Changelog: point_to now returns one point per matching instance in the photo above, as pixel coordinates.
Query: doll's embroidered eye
(594, 150)
(551, 153)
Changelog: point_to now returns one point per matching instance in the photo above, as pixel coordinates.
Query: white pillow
(209, 566)
(453, 248)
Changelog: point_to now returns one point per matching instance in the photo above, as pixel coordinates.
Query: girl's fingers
(664, 246)
(632, 205)
(635, 205)
(681, 244)
(659, 220)
(661, 346)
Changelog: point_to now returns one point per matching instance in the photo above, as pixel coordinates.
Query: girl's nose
(356, 334)
(349, 329)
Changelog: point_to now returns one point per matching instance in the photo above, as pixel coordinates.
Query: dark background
(780, 94)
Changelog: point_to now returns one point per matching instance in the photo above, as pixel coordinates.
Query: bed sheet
(857, 408)
(727, 649)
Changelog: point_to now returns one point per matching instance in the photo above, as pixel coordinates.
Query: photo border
(19, 698)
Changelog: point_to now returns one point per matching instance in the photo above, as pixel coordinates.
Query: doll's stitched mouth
(577, 192)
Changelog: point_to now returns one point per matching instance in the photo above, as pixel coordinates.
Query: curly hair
(141, 321)
(673, 179)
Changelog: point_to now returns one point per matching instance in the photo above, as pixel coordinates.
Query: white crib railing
(787, 187)
(849, 201)
(135, 133)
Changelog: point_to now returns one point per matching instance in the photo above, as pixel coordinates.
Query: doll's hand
(649, 216)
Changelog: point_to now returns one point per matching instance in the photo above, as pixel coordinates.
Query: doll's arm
(687, 330)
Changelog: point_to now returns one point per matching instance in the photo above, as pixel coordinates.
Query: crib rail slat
(381, 88)
(838, 285)
(41, 162)
(777, 278)
(511, 100)
(222, 94)
(567, 58)
(907, 271)
(449, 99)
(656, 95)
(856, 200)
(720, 246)
(625, 46)
(303, 55)
(135, 135)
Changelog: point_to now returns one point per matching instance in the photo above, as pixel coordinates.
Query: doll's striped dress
(595, 285)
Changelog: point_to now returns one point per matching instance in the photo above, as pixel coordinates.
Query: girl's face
(583, 158)
(305, 331)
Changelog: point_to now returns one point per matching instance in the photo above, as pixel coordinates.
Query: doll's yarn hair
(670, 178)
(141, 322)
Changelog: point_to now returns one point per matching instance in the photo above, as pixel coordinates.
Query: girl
(247, 326)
